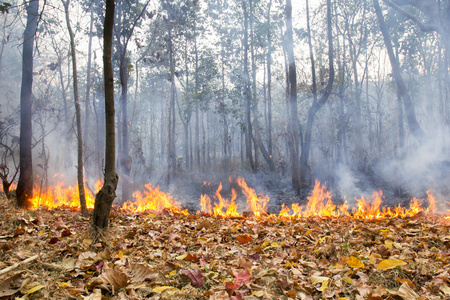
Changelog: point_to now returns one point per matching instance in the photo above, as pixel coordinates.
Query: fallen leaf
(161, 289)
(195, 275)
(353, 262)
(5, 286)
(390, 264)
(115, 278)
(243, 239)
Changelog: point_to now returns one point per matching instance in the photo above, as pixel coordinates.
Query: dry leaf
(390, 264)
(353, 262)
(195, 275)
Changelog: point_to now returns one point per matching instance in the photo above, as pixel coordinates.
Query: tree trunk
(414, 126)
(293, 129)
(247, 95)
(317, 104)
(105, 197)
(25, 184)
(269, 84)
(76, 100)
(87, 101)
(171, 159)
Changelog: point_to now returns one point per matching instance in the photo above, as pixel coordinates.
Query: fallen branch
(10, 268)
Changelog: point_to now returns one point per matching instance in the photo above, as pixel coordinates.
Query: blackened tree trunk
(77, 114)
(25, 184)
(105, 197)
(317, 103)
(414, 125)
(293, 129)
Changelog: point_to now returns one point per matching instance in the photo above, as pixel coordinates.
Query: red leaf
(191, 257)
(241, 278)
(243, 239)
(195, 275)
(229, 287)
(66, 232)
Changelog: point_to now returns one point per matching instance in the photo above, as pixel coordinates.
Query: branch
(15, 266)
(422, 26)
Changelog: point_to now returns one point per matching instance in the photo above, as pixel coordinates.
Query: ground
(174, 256)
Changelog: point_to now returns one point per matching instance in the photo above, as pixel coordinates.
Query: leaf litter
(177, 256)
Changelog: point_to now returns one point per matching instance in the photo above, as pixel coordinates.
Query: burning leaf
(195, 275)
(353, 262)
(243, 239)
(390, 264)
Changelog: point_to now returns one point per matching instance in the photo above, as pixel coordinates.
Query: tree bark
(25, 184)
(76, 100)
(317, 104)
(247, 95)
(293, 129)
(105, 197)
(414, 125)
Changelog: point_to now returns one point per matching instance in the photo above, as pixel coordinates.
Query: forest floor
(175, 256)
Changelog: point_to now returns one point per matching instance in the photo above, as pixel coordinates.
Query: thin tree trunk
(105, 197)
(80, 176)
(293, 129)
(247, 95)
(25, 184)
(414, 125)
(317, 104)
(87, 101)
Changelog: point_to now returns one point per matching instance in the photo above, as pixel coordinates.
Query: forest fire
(152, 200)
(320, 203)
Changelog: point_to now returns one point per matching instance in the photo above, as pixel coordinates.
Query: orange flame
(152, 199)
(60, 195)
(258, 205)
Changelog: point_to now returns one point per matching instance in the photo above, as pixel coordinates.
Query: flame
(60, 195)
(319, 202)
(258, 205)
(152, 199)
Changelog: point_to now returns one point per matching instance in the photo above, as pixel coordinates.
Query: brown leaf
(141, 273)
(115, 278)
(5, 286)
(195, 275)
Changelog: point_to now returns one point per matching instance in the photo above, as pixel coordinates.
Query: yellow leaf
(373, 258)
(274, 245)
(258, 293)
(120, 254)
(318, 279)
(174, 272)
(353, 262)
(347, 279)
(63, 284)
(181, 257)
(390, 264)
(324, 285)
(308, 232)
(35, 289)
(388, 244)
(161, 289)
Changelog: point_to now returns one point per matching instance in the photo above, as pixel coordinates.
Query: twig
(10, 268)
(162, 275)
